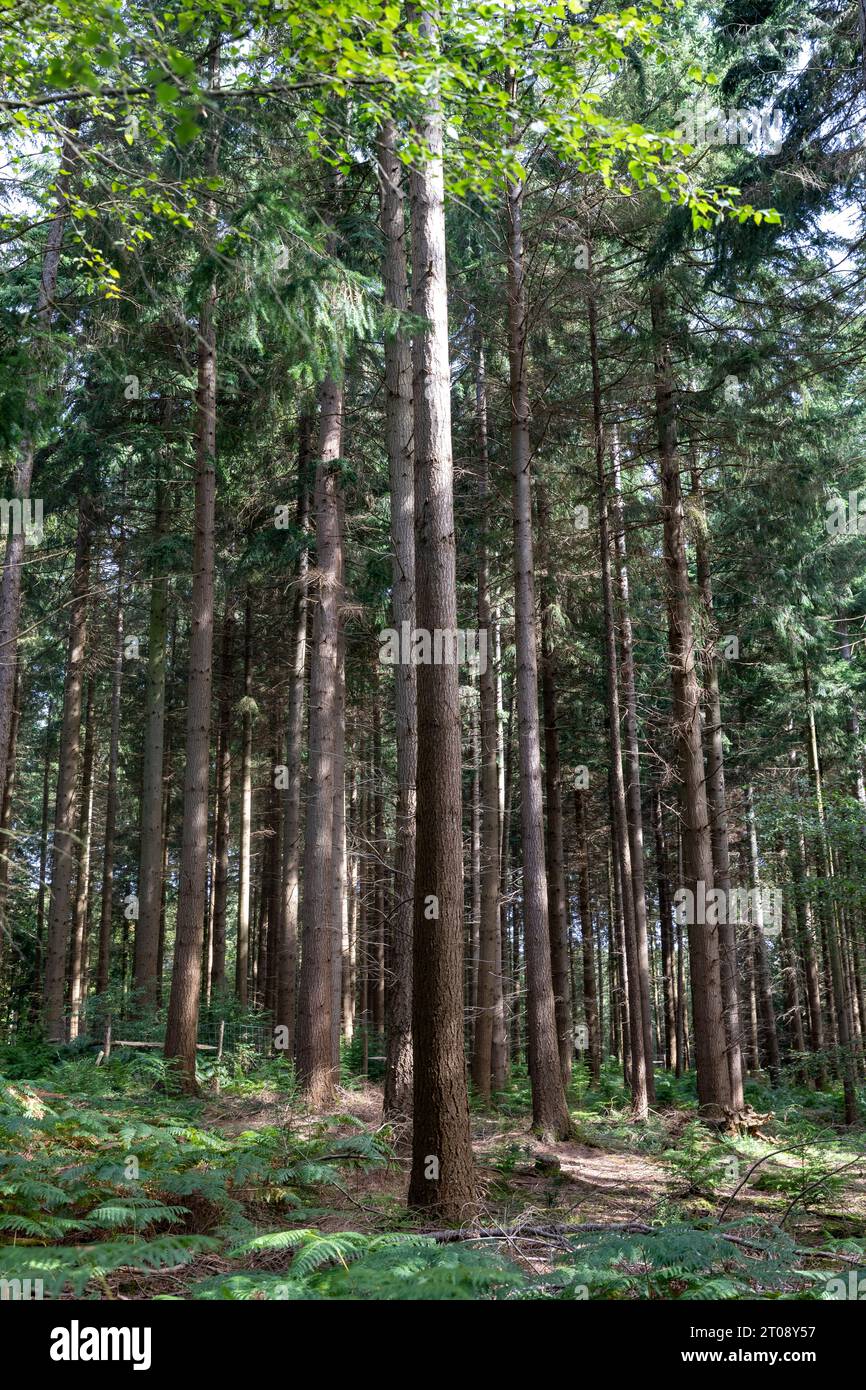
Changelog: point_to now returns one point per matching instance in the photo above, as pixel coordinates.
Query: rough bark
(397, 1098)
(146, 961)
(183, 1009)
(549, 1110)
(442, 1174)
(717, 801)
(287, 989)
(316, 1072)
(632, 767)
(714, 1086)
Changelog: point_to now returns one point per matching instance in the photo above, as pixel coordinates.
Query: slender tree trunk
(442, 1175)
(590, 998)
(43, 862)
(146, 961)
(640, 1061)
(841, 1002)
(714, 1087)
(107, 899)
(560, 962)
(338, 883)
(665, 904)
(78, 945)
(183, 1008)
(223, 807)
(488, 1059)
(399, 426)
(768, 1016)
(63, 850)
(6, 812)
(242, 955)
(632, 763)
(549, 1111)
(287, 989)
(316, 1072)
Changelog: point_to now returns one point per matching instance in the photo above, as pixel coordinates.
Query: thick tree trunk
(63, 856)
(442, 1166)
(714, 1086)
(717, 803)
(183, 1008)
(549, 1110)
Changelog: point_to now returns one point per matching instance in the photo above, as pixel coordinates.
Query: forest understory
(243, 1194)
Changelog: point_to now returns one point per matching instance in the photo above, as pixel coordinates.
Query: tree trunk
(666, 924)
(765, 996)
(399, 426)
(488, 1058)
(63, 850)
(242, 955)
(106, 904)
(560, 963)
(841, 1002)
(146, 960)
(632, 762)
(78, 952)
(442, 1175)
(714, 1086)
(640, 1061)
(183, 1008)
(287, 988)
(550, 1117)
(590, 998)
(316, 1073)
(717, 804)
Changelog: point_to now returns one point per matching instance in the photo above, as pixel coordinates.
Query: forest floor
(112, 1187)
